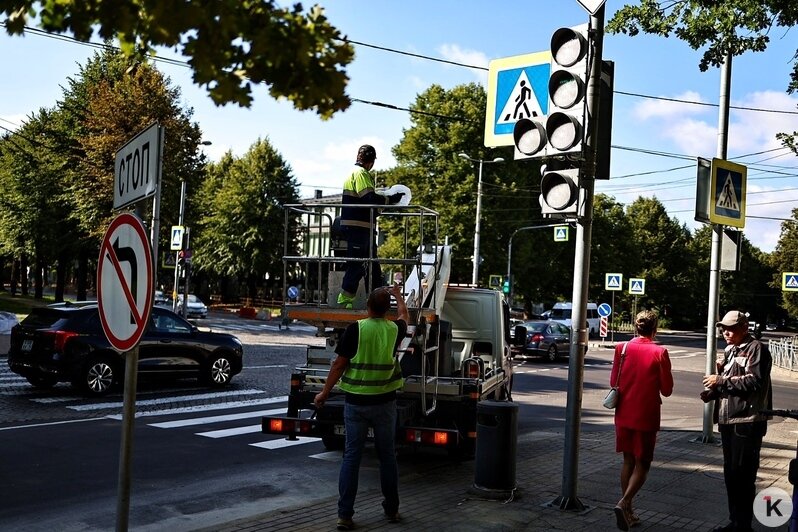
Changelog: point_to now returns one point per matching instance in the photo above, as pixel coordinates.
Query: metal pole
(177, 253)
(186, 261)
(126, 445)
(568, 500)
(612, 330)
(475, 272)
(717, 232)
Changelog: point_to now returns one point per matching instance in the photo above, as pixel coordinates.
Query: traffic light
(506, 287)
(560, 194)
(562, 131)
(565, 125)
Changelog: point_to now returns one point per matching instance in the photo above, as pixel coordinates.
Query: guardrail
(785, 352)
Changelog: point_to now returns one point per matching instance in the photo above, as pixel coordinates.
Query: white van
(561, 313)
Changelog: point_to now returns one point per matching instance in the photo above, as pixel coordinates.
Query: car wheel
(552, 354)
(97, 377)
(219, 371)
(45, 382)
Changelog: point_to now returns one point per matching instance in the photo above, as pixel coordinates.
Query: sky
(475, 32)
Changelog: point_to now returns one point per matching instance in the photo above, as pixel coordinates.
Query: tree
(662, 245)
(241, 228)
(785, 259)
(731, 26)
(230, 44)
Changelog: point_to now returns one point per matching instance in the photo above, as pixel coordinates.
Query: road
(199, 458)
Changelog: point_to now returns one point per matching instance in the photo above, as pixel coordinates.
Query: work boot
(345, 300)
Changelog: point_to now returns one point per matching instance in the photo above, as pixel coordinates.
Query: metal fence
(785, 352)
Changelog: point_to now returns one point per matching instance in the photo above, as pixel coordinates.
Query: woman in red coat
(645, 374)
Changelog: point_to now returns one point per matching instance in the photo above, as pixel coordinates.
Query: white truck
(456, 352)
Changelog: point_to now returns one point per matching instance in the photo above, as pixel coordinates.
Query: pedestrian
(641, 370)
(369, 375)
(742, 388)
(358, 225)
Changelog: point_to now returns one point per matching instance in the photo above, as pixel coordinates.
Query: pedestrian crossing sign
(727, 189)
(637, 287)
(518, 87)
(789, 282)
(177, 238)
(561, 233)
(613, 281)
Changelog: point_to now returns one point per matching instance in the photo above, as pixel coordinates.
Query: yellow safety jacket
(359, 190)
(373, 370)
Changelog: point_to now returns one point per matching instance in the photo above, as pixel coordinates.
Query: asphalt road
(199, 458)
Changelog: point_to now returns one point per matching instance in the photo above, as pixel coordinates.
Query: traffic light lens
(529, 136)
(559, 191)
(564, 131)
(567, 47)
(565, 89)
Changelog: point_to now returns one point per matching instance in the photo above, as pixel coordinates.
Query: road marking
(236, 431)
(269, 366)
(203, 408)
(165, 400)
(49, 424)
(219, 419)
(283, 442)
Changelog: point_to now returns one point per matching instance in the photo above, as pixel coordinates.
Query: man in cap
(358, 225)
(742, 389)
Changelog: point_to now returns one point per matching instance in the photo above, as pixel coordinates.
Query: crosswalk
(227, 415)
(254, 326)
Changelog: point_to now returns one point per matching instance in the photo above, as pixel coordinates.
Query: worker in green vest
(358, 225)
(369, 374)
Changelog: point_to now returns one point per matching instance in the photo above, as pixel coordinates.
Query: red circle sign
(125, 282)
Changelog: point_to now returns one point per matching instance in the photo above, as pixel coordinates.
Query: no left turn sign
(125, 282)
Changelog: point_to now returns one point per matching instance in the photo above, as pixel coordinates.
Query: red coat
(645, 374)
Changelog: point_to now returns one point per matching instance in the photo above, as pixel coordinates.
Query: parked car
(67, 344)
(195, 308)
(546, 338)
(160, 300)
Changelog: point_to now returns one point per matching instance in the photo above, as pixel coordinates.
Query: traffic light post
(567, 144)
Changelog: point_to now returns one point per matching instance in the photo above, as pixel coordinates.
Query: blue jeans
(357, 419)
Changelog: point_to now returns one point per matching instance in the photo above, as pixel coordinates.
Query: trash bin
(497, 437)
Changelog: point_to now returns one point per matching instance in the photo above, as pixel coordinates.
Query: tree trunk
(23, 273)
(14, 276)
(38, 281)
(80, 274)
(60, 277)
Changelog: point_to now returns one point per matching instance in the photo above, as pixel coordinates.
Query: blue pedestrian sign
(561, 233)
(518, 87)
(604, 310)
(177, 238)
(637, 287)
(789, 281)
(727, 189)
(613, 281)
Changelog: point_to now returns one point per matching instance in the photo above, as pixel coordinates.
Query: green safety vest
(359, 190)
(373, 370)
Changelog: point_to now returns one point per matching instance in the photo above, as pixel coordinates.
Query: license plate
(340, 430)
(27, 345)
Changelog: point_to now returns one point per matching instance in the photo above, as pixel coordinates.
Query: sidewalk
(684, 491)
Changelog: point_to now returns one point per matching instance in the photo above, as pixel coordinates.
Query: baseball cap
(732, 318)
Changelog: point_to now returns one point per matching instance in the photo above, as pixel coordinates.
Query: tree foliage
(242, 219)
(785, 259)
(231, 44)
(720, 28)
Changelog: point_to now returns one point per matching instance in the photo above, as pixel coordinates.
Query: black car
(546, 338)
(66, 343)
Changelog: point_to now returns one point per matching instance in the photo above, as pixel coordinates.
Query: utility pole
(177, 253)
(717, 242)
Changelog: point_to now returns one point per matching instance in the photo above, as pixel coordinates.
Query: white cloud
(693, 137)
(669, 109)
(12, 122)
(453, 52)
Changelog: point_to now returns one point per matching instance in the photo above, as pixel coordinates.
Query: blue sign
(293, 292)
(604, 310)
(613, 281)
(518, 87)
(637, 287)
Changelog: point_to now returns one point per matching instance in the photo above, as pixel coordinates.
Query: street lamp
(475, 272)
(177, 253)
